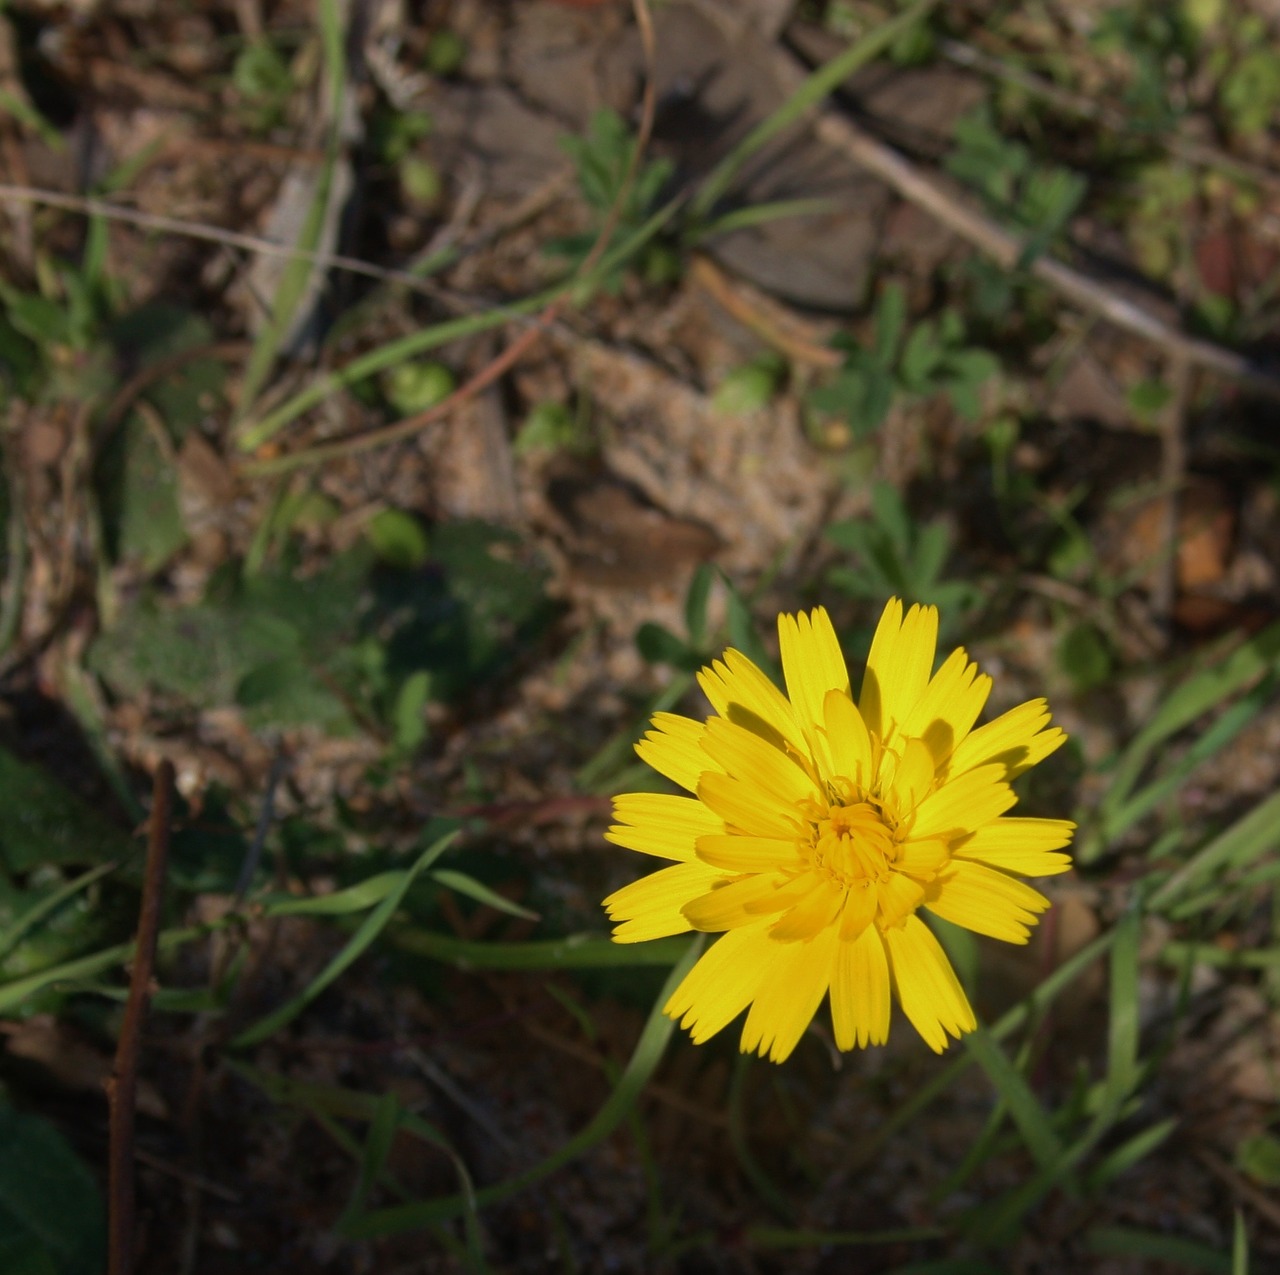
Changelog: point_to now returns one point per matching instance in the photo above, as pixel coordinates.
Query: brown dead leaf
(72, 1061)
(615, 537)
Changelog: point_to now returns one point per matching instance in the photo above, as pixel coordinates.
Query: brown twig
(210, 234)
(799, 348)
(948, 207)
(122, 1088)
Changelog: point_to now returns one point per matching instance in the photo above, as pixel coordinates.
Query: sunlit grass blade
(1035, 1003)
(356, 946)
(13, 993)
(356, 898)
(1154, 795)
(1248, 838)
(826, 79)
(256, 433)
(763, 214)
(22, 925)
(644, 1061)
(1240, 1247)
(299, 271)
(1204, 690)
(481, 893)
(1123, 1024)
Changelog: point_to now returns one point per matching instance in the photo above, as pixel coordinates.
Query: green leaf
(398, 538)
(474, 889)
(1258, 1157)
(13, 933)
(659, 645)
(1085, 656)
(408, 718)
(142, 517)
(51, 1216)
(45, 823)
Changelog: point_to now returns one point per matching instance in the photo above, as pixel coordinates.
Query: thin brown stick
(122, 1088)
(947, 206)
(210, 234)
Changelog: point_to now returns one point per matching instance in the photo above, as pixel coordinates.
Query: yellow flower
(819, 826)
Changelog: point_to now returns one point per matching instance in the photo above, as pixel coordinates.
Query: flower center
(852, 843)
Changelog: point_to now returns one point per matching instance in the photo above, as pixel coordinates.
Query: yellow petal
(1025, 846)
(848, 743)
(860, 904)
(650, 908)
(912, 776)
(735, 852)
(812, 665)
(747, 808)
(921, 858)
(860, 991)
(930, 993)
(745, 756)
(1016, 740)
(723, 982)
(950, 705)
(897, 897)
(816, 911)
(790, 995)
(728, 905)
(735, 682)
(672, 749)
(963, 803)
(898, 667)
(986, 901)
(659, 824)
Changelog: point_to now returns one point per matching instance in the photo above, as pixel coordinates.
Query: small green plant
(930, 358)
(1037, 198)
(264, 84)
(752, 385)
(602, 160)
(893, 554)
(556, 427)
(1249, 88)
(1156, 39)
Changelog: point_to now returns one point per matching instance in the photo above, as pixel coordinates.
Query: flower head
(819, 826)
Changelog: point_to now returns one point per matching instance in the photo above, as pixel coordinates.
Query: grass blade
(644, 1061)
(1024, 1107)
(826, 79)
(1125, 1241)
(21, 925)
(356, 946)
(1246, 839)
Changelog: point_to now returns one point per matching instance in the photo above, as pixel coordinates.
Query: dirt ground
(1171, 512)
